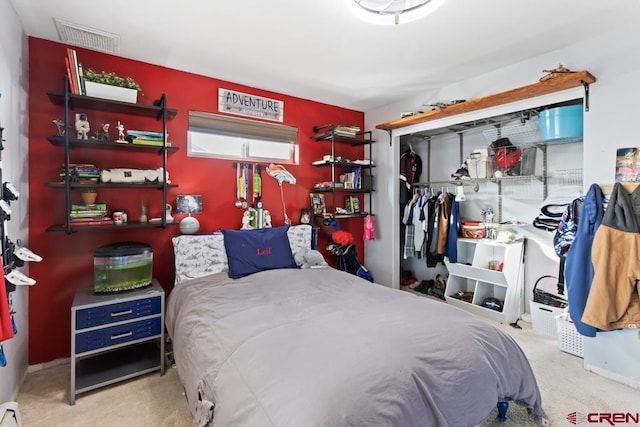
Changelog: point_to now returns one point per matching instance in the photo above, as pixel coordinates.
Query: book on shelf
(154, 142)
(75, 63)
(69, 76)
(346, 130)
(89, 222)
(74, 84)
(318, 203)
(90, 207)
(83, 90)
(352, 204)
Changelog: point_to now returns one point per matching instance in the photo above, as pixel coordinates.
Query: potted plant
(89, 196)
(110, 86)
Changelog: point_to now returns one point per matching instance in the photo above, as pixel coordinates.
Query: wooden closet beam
(608, 188)
(566, 81)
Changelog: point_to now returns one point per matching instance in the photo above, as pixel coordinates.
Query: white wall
(615, 62)
(13, 117)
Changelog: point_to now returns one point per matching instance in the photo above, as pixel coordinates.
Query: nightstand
(115, 337)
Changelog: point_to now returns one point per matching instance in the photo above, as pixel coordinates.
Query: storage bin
(472, 230)
(480, 167)
(543, 318)
(561, 122)
(514, 161)
(569, 340)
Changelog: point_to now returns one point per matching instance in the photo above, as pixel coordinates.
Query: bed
(312, 346)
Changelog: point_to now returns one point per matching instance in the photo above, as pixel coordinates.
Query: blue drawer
(103, 315)
(114, 335)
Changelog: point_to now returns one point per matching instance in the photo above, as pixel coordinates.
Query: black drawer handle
(121, 313)
(127, 334)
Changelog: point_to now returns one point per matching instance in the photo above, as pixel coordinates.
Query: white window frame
(208, 129)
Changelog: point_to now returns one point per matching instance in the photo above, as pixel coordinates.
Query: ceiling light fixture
(388, 11)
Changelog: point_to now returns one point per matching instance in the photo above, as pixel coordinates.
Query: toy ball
(498, 174)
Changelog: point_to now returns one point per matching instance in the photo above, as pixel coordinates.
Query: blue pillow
(251, 251)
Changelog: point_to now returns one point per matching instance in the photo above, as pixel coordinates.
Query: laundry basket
(569, 340)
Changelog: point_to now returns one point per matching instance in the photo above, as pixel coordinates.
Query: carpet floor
(154, 400)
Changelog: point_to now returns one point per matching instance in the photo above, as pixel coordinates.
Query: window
(224, 137)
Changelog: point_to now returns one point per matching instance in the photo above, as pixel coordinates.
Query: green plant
(89, 190)
(110, 79)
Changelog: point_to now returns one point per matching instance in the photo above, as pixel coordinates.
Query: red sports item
(6, 329)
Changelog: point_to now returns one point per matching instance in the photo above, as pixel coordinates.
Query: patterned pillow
(299, 238)
(198, 255)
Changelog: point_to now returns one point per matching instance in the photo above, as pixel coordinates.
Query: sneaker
(424, 286)
(437, 292)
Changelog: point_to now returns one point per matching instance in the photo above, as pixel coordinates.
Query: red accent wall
(68, 259)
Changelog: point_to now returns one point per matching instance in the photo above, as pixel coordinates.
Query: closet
(445, 138)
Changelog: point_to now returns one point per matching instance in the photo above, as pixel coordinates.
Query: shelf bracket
(390, 137)
(586, 94)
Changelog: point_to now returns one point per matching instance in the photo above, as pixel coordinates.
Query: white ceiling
(319, 50)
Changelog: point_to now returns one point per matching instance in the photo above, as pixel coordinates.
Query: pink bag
(369, 228)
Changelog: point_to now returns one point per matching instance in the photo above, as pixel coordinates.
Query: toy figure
(267, 219)
(103, 133)
(82, 126)
(246, 221)
(167, 214)
(120, 128)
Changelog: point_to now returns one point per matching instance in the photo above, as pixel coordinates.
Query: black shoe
(424, 286)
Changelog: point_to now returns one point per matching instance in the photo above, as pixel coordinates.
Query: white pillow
(299, 238)
(198, 255)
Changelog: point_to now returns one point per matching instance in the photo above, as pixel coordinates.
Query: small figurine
(143, 213)
(556, 72)
(120, 128)
(82, 126)
(246, 221)
(487, 214)
(267, 219)
(103, 133)
(60, 125)
(167, 214)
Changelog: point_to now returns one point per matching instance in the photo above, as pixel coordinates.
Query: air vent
(79, 35)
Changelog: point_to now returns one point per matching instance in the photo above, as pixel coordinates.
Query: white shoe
(17, 278)
(26, 255)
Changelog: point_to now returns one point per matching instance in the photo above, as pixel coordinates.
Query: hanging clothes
(409, 232)
(410, 171)
(443, 223)
(579, 269)
(454, 229)
(419, 221)
(614, 298)
(432, 231)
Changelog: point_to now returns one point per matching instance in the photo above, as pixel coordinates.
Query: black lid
(122, 249)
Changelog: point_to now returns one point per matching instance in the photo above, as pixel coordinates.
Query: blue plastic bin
(561, 122)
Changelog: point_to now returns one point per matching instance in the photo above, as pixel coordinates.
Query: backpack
(565, 235)
(567, 228)
(348, 261)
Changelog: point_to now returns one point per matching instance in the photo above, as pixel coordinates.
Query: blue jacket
(579, 268)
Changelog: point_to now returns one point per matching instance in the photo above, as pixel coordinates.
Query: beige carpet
(153, 400)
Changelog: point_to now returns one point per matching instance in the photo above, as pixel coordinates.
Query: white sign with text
(244, 104)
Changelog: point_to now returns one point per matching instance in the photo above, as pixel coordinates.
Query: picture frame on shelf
(318, 205)
(306, 215)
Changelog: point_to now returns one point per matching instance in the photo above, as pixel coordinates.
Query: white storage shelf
(505, 285)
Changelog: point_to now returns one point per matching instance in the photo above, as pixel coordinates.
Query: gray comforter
(320, 347)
